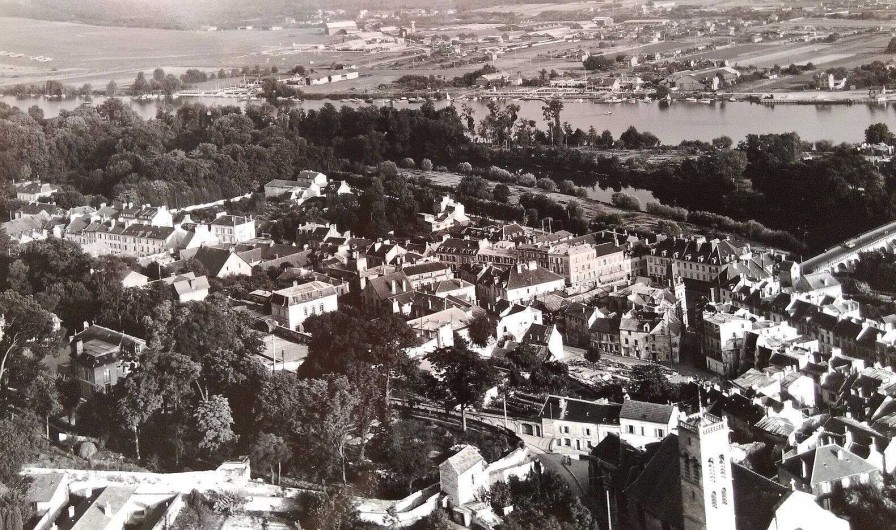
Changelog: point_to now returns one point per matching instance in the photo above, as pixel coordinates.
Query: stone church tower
(707, 496)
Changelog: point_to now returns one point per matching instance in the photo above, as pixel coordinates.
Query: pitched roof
(755, 498)
(231, 220)
(520, 277)
(657, 490)
(214, 259)
(463, 460)
(644, 411)
(827, 464)
(183, 285)
(538, 334)
(425, 267)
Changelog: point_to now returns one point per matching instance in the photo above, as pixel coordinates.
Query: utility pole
(505, 410)
(609, 516)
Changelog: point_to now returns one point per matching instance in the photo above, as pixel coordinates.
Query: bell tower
(707, 496)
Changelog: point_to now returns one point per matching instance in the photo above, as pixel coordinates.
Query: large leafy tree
(25, 327)
(268, 450)
(463, 375)
(214, 424)
(327, 419)
(137, 399)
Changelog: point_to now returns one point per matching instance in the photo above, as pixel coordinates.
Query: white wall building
(293, 305)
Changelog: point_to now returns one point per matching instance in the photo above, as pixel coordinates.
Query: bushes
(500, 175)
(387, 169)
(464, 168)
(625, 201)
(669, 228)
(669, 212)
(750, 229)
(567, 187)
(526, 179)
(408, 163)
(501, 193)
(426, 164)
(546, 184)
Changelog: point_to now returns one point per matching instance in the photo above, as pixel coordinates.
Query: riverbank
(672, 124)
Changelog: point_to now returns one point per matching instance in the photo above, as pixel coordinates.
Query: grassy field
(82, 53)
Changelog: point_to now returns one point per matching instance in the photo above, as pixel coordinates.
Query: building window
(725, 496)
(715, 502)
(722, 467)
(712, 471)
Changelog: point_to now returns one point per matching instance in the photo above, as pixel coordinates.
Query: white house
(307, 184)
(463, 475)
(521, 283)
(450, 213)
(32, 191)
(576, 425)
(188, 287)
(293, 305)
(641, 423)
(233, 229)
(515, 319)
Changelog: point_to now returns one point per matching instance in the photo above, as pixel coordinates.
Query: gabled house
(826, 469)
(381, 293)
(462, 477)
(514, 320)
(578, 319)
(546, 338)
(188, 287)
(220, 262)
(449, 214)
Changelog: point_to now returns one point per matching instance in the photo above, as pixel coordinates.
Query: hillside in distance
(191, 14)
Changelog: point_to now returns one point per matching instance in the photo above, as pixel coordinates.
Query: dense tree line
(198, 154)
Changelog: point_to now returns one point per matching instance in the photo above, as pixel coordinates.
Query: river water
(671, 124)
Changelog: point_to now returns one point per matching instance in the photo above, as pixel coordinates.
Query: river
(671, 124)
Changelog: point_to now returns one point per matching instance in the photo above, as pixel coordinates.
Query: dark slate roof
(423, 268)
(823, 464)
(658, 489)
(581, 411)
(212, 258)
(644, 411)
(755, 498)
(847, 329)
(607, 325)
(538, 334)
(520, 277)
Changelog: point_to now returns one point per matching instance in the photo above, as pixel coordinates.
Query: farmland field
(82, 53)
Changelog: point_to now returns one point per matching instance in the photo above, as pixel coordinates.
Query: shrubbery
(625, 201)
(669, 212)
